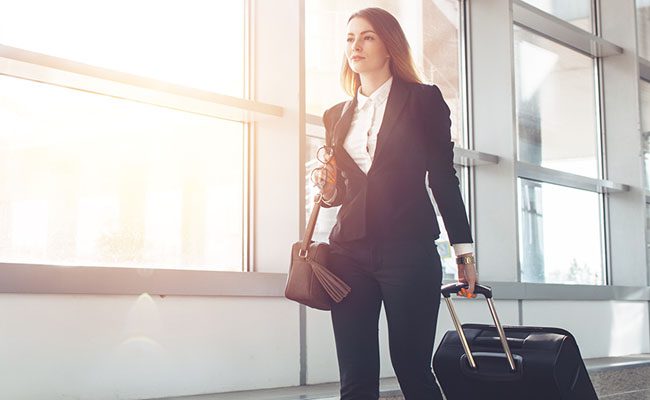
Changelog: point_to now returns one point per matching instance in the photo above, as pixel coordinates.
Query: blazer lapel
(341, 129)
(342, 126)
(395, 104)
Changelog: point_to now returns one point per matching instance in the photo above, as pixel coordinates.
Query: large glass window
(643, 24)
(556, 114)
(555, 105)
(645, 105)
(576, 12)
(97, 181)
(432, 28)
(647, 232)
(645, 127)
(176, 41)
(643, 43)
(559, 234)
(93, 180)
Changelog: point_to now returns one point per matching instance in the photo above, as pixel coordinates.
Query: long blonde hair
(390, 32)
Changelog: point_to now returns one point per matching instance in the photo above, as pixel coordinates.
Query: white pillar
(623, 145)
(493, 105)
(278, 140)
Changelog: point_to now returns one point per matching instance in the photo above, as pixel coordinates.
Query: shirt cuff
(330, 201)
(462, 248)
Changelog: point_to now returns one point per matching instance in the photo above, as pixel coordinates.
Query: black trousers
(406, 275)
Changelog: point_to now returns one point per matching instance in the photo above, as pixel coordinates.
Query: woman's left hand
(467, 274)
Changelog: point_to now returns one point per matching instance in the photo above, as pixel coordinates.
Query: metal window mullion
(24, 64)
(560, 31)
(248, 175)
(595, 17)
(644, 69)
(518, 192)
(465, 62)
(18, 278)
(470, 158)
(601, 153)
(547, 175)
(302, 174)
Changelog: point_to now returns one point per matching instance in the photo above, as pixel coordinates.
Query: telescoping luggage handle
(486, 291)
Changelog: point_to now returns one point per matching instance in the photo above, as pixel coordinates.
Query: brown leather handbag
(309, 282)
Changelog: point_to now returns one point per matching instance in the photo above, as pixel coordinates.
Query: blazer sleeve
(328, 122)
(442, 177)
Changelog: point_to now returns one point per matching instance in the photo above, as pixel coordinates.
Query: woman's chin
(358, 70)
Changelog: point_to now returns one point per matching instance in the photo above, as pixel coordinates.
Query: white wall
(601, 328)
(277, 141)
(494, 132)
(623, 144)
(134, 347)
(127, 347)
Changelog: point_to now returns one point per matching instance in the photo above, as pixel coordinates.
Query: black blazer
(391, 201)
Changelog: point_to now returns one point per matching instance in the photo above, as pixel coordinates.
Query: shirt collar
(378, 96)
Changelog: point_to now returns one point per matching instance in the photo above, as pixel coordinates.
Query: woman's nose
(357, 45)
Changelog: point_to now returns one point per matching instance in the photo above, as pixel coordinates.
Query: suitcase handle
(499, 375)
(453, 288)
(487, 292)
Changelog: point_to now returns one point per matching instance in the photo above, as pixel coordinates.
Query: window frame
(592, 45)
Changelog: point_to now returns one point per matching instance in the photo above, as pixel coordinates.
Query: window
(559, 237)
(643, 25)
(560, 227)
(182, 43)
(645, 127)
(576, 12)
(647, 232)
(433, 31)
(555, 105)
(643, 43)
(95, 180)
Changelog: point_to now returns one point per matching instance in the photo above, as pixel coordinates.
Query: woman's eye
(369, 38)
(348, 39)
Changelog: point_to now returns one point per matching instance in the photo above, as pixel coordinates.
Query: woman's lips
(357, 58)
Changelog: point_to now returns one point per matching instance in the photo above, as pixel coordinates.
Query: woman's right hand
(327, 178)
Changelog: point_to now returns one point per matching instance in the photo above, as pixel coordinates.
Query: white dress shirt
(361, 140)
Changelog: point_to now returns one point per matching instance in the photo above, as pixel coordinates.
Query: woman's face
(365, 51)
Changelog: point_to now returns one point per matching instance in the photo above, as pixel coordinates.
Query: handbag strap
(311, 224)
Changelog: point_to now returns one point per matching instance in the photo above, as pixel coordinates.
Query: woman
(393, 132)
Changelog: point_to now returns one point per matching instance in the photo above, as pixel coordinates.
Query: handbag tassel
(333, 285)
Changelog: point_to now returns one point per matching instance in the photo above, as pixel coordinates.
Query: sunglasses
(320, 176)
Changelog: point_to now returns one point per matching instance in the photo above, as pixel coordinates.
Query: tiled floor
(636, 395)
(624, 383)
(614, 378)
(325, 391)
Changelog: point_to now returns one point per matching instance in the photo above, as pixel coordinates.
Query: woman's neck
(372, 80)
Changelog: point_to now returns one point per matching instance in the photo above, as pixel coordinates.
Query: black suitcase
(533, 363)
